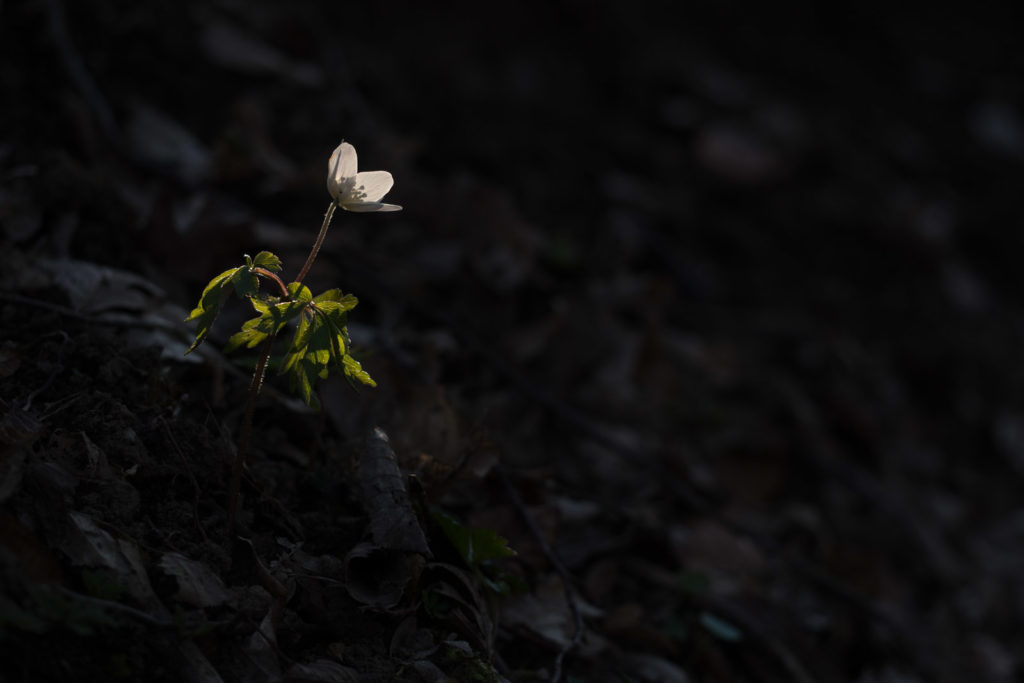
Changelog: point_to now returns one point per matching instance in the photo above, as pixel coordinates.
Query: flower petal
(343, 163)
(370, 207)
(370, 186)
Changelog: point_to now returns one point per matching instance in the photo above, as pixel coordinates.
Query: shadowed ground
(712, 317)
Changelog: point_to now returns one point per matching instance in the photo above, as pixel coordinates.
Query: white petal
(343, 163)
(370, 186)
(369, 207)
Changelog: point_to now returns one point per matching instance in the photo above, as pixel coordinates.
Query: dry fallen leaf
(198, 585)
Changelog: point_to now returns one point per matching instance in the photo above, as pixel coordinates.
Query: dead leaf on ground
(198, 585)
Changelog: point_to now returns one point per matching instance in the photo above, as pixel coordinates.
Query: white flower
(354, 191)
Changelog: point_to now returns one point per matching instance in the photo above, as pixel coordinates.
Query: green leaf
(309, 357)
(273, 317)
(355, 370)
(210, 303)
(475, 546)
(249, 336)
(300, 293)
(347, 301)
(266, 259)
(245, 282)
(338, 337)
(299, 344)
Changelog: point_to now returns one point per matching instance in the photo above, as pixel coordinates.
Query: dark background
(731, 293)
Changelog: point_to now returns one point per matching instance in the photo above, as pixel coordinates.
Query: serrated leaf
(337, 309)
(354, 369)
(301, 380)
(245, 282)
(348, 301)
(273, 316)
(300, 293)
(299, 344)
(309, 358)
(329, 295)
(249, 336)
(210, 302)
(338, 339)
(318, 350)
(475, 546)
(268, 260)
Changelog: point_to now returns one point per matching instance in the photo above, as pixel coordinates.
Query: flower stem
(258, 374)
(273, 276)
(319, 242)
(243, 437)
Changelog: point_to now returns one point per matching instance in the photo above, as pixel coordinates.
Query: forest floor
(697, 345)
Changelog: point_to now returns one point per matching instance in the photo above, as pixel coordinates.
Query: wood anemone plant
(320, 341)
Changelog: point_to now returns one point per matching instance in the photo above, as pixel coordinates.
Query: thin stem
(243, 438)
(257, 376)
(273, 276)
(319, 242)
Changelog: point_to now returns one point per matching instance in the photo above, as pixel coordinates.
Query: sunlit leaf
(299, 344)
(338, 338)
(300, 293)
(334, 302)
(249, 336)
(332, 295)
(273, 317)
(245, 282)
(355, 370)
(266, 259)
(309, 357)
(210, 303)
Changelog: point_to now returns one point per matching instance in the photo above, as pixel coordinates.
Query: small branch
(319, 242)
(549, 553)
(273, 276)
(243, 438)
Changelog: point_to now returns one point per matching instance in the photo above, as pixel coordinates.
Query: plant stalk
(273, 276)
(243, 437)
(259, 373)
(319, 242)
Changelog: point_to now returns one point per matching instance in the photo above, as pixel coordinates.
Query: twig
(257, 381)
(243, 438)
(549, 552)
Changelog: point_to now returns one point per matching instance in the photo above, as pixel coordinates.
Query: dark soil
(713, 316)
